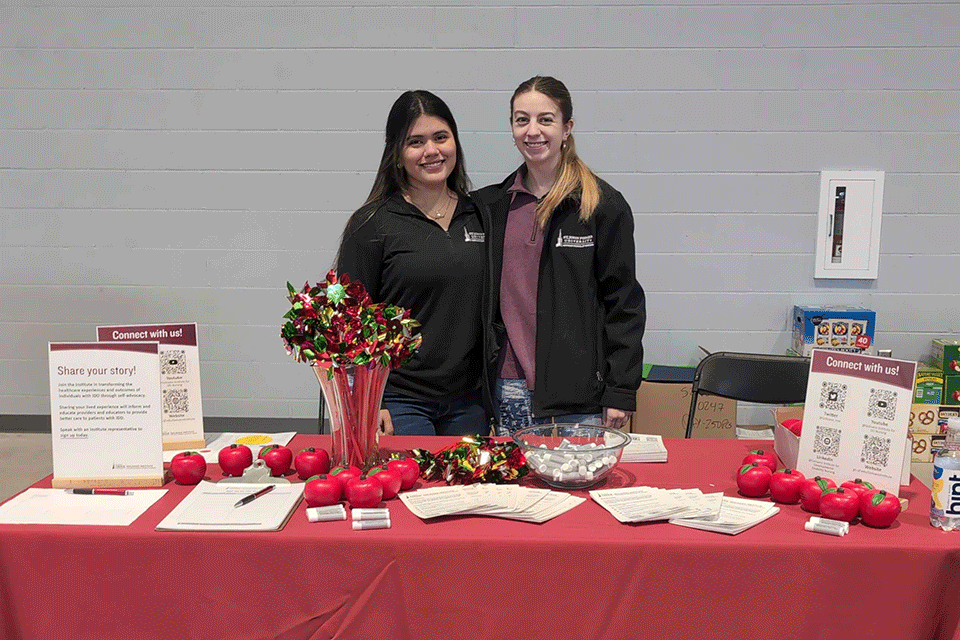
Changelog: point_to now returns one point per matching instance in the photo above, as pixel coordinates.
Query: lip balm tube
(371, 514)
(819, 527)
(326, 514)
(831, 523)
(360, 525)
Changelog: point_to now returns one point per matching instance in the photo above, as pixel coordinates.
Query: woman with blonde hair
(565, 313)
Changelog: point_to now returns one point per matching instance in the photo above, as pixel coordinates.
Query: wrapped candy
(473, 459)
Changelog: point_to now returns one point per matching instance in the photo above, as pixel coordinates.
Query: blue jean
(515, 413)
(460, 416)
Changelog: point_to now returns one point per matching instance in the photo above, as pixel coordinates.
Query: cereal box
(837, 328)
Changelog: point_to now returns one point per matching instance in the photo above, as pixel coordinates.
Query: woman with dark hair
(565, 313)
(418, 242)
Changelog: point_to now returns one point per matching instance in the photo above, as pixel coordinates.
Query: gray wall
(182, 163)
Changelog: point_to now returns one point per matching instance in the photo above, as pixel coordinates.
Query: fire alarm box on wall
(848, 225)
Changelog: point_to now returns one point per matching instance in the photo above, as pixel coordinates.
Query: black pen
(253, 496)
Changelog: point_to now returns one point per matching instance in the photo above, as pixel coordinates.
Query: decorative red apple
(234, 459)
(753, 479)
(188, 467)
(858, 485)
(840, 504)
(793, 425)
(811, 490)
(785, 486)
(766, 458)
(278, 458)
(390, 480)
(344, 474)
(364, 492)
(311, 462)
(409, 471)
(322, 490)
(879, 508)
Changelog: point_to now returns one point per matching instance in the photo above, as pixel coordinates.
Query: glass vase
(353, 393)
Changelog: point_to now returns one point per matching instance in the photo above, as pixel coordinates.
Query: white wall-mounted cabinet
(848, 225)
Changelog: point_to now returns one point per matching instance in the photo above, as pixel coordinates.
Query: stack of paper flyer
(644, 448)
(648, 504)
(499, 500)
(736, 515)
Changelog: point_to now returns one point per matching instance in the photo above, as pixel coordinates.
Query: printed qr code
(827, 441)
(876, 451)
(173, 362)
(883, 404)
(175, 401)
(833, 396)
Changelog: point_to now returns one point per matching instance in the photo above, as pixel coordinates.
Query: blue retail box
(837, 328)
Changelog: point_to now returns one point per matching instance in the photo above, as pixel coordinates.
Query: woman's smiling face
(429, 152)
(538, 129)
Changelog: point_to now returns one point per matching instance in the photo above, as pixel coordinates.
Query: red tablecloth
(582, 575)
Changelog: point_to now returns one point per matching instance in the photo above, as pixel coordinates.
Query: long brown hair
(575, 177)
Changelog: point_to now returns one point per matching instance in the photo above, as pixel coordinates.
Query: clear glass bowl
(571, 456)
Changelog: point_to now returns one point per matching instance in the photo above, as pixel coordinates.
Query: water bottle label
(945, 492)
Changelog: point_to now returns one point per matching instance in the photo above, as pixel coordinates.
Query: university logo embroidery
(473, 236)
(576, 242)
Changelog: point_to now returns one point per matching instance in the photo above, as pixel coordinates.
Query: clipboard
(210, 507)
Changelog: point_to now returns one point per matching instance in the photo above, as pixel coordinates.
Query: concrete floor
(26, 458)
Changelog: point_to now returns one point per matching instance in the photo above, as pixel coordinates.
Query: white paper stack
(497, 500)
(644, 448)
(736, 515)
(648, 504)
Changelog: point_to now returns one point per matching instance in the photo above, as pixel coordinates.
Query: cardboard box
(928, 388)
(836, 328)
(945, 353)
(663, 402)
(787, 445)
(927, 424)
(951, 389)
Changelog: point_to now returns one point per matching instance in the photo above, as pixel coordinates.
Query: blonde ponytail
(574, 175)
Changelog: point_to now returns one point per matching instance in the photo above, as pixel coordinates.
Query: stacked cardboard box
(836, 328)
(945, 354)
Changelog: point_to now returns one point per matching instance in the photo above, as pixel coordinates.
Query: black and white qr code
(876, 451)
(827, 441)
(883, 404)
(833, 396)
(175, 401)
(173, 362)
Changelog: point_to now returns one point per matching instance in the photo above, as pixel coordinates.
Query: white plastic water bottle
(945, 493)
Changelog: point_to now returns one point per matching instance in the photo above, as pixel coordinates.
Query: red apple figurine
(188, 467)
(311, 462)
(785, 486)
(409, 471)
(753, 479)
(879, 508)
(390, 480)
(322, 490)
(858, 485)
(793, 425)
(364, 492)
(278, 458)
(345, 474)
(811, 490)
(840, 504)
(766, 458)
(234, 459)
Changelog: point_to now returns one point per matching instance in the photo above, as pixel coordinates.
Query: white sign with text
(181, 406)
(855, 418)
(105, 414)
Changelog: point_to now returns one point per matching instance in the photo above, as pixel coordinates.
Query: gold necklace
(437, 213)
